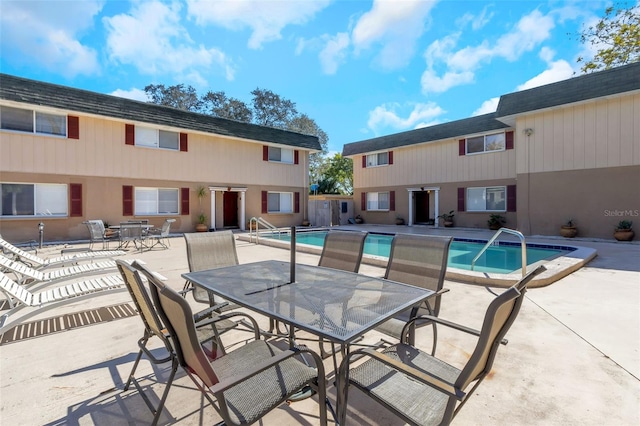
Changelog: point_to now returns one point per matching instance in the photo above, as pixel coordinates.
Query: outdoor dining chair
(419, 260)
(343, 250)
(246, 383)
(420, 388)
(208, 331)
(132, 232)
(160, 236)
(99, 234)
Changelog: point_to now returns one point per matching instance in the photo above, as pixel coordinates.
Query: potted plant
(201, 193)
(568, 230)
(399, 220)
(623, 231)
(359, 219)
(496, 221)
(447, 219)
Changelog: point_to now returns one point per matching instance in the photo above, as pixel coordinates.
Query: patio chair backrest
(419, 260)
(343, 250)
(209, 250)
(130, 231)
(141, 299)
(498, 318)
(166, 226)
(96, 229)
(175, 312)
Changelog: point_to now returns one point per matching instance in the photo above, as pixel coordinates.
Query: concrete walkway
(573, 356)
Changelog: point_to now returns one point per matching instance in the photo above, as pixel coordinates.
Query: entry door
(422, 206)
(230, 209)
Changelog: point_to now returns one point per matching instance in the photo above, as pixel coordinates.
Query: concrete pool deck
(573, 356)
(557, 268)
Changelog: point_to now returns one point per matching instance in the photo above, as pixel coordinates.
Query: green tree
(178, 96)
(302, 123)
(340, 170)
(616, 37)
(269, 109)
(219, 105)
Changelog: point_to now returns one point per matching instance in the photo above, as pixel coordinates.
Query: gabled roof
(452, 129)
(577, 89)
(33, 92)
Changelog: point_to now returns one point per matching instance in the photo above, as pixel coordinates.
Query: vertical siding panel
(635, 137)
(601, 134)
(558, 134)
(537, 160)
(613, 133)
(626, 132)
(567, 137)
(590, 139)
(578, 137)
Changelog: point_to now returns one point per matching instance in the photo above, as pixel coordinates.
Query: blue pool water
(503, 258)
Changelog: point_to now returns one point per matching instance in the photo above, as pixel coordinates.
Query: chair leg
(165, 394)
(133, 370)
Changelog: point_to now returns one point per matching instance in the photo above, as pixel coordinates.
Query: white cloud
(487, 106)
(46, 33)
(556, 71)
(265, 19)
(135, 94)
(152, 39)
(396, 26)
(460, 65)
(389, 116)
(334, 53)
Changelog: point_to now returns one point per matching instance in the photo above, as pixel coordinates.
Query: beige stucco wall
(103, 163)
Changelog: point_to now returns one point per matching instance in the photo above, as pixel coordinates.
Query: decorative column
(242, 212)
(410, 223)
(213, 210)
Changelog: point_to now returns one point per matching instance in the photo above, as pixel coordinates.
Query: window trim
(376, 154)
(34, 122)
(35, 185)
(484, 136)
(485, 188)
(292, 195)
(378, 209)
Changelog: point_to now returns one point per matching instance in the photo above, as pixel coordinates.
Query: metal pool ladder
(523, 245)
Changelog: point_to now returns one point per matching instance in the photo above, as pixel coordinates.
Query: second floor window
(154, 138)
(486, 143)
(26, 120)
(281, 155)
(379, 159)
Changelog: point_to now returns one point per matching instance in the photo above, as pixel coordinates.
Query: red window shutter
(296, 202)
(296, 157)
(363, 202)
(129, 134)
(508, 140)
(392, 201)
(75, 199)
(265, 205)
(364, 161)
(184, 146)
(462, 147)
(390, 157)
(461, 199)
(73, 127)
(511, 198)
(127, 200)
(184, 201)
(265, 153)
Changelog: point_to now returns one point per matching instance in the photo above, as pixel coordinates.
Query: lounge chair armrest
(428, 379)
(266, 364)
(217, 318)
(208, 311)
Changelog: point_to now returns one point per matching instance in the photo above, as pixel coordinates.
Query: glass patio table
(336, 305)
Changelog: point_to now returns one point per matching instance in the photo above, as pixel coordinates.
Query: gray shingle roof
(458, 128)
(590, 86)
(33, 92)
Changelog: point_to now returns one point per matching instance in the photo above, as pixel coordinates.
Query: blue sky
(359, 68)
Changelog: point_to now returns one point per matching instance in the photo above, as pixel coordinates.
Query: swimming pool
(501, 258)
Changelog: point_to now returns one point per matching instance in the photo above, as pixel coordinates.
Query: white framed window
(486, 143)
(27, 120)
(487, 199)
(34, 199)
(281, 155)
(280, 202)
(155, 138)
(156, 201)
(377, 201)
(379, 159)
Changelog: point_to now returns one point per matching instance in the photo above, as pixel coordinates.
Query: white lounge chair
(19, 297)
(37, 262)
(27, 275)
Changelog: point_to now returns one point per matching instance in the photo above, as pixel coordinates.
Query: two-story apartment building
(69, 155)
(567, 150)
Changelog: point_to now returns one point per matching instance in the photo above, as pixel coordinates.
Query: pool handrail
(523, 245)
(260, 221)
